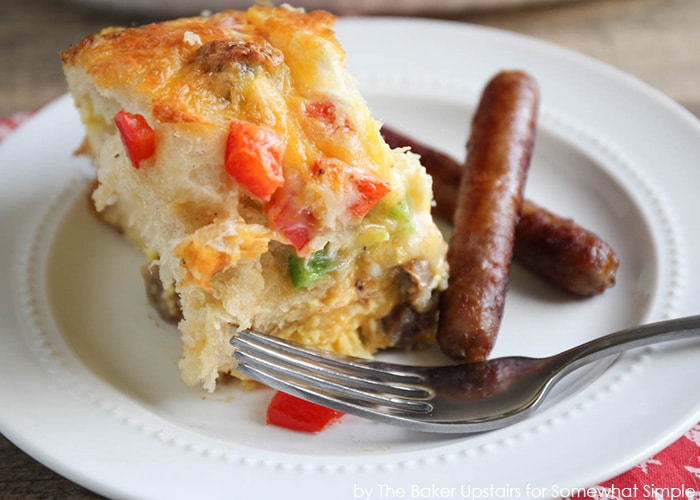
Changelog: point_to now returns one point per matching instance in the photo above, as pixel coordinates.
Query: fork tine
(352, 407)
(291, 376)
(334, 378)
(325, 373)
(376, 370)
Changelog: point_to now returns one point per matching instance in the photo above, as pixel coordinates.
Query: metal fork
(463, 398)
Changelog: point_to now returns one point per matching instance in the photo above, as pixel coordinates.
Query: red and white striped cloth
(671, 474)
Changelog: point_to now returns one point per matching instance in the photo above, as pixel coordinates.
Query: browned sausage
(488, 207)
(554, 247)
(564, 252)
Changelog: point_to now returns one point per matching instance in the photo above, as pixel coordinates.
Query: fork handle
(630, 338)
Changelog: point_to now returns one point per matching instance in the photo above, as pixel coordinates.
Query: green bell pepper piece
(303, 272)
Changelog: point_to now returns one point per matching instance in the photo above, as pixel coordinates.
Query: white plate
(88, 374)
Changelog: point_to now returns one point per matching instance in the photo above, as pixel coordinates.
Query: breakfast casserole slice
(236, 152)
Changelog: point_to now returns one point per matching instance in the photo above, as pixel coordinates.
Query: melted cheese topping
(279, 68)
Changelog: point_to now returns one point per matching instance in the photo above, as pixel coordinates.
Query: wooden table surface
(654, 40)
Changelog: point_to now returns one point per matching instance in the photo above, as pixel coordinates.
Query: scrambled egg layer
(234, 258)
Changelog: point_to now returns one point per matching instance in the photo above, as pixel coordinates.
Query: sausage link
(554, 247)
(488, 207)
(565, 253)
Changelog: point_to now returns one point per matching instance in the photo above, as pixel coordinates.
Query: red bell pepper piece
(138, 137)
(370, 191)
(326, 112)
(322, 110)
(254, 158)
(290, 217)
(297, 414)
(296, 225)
